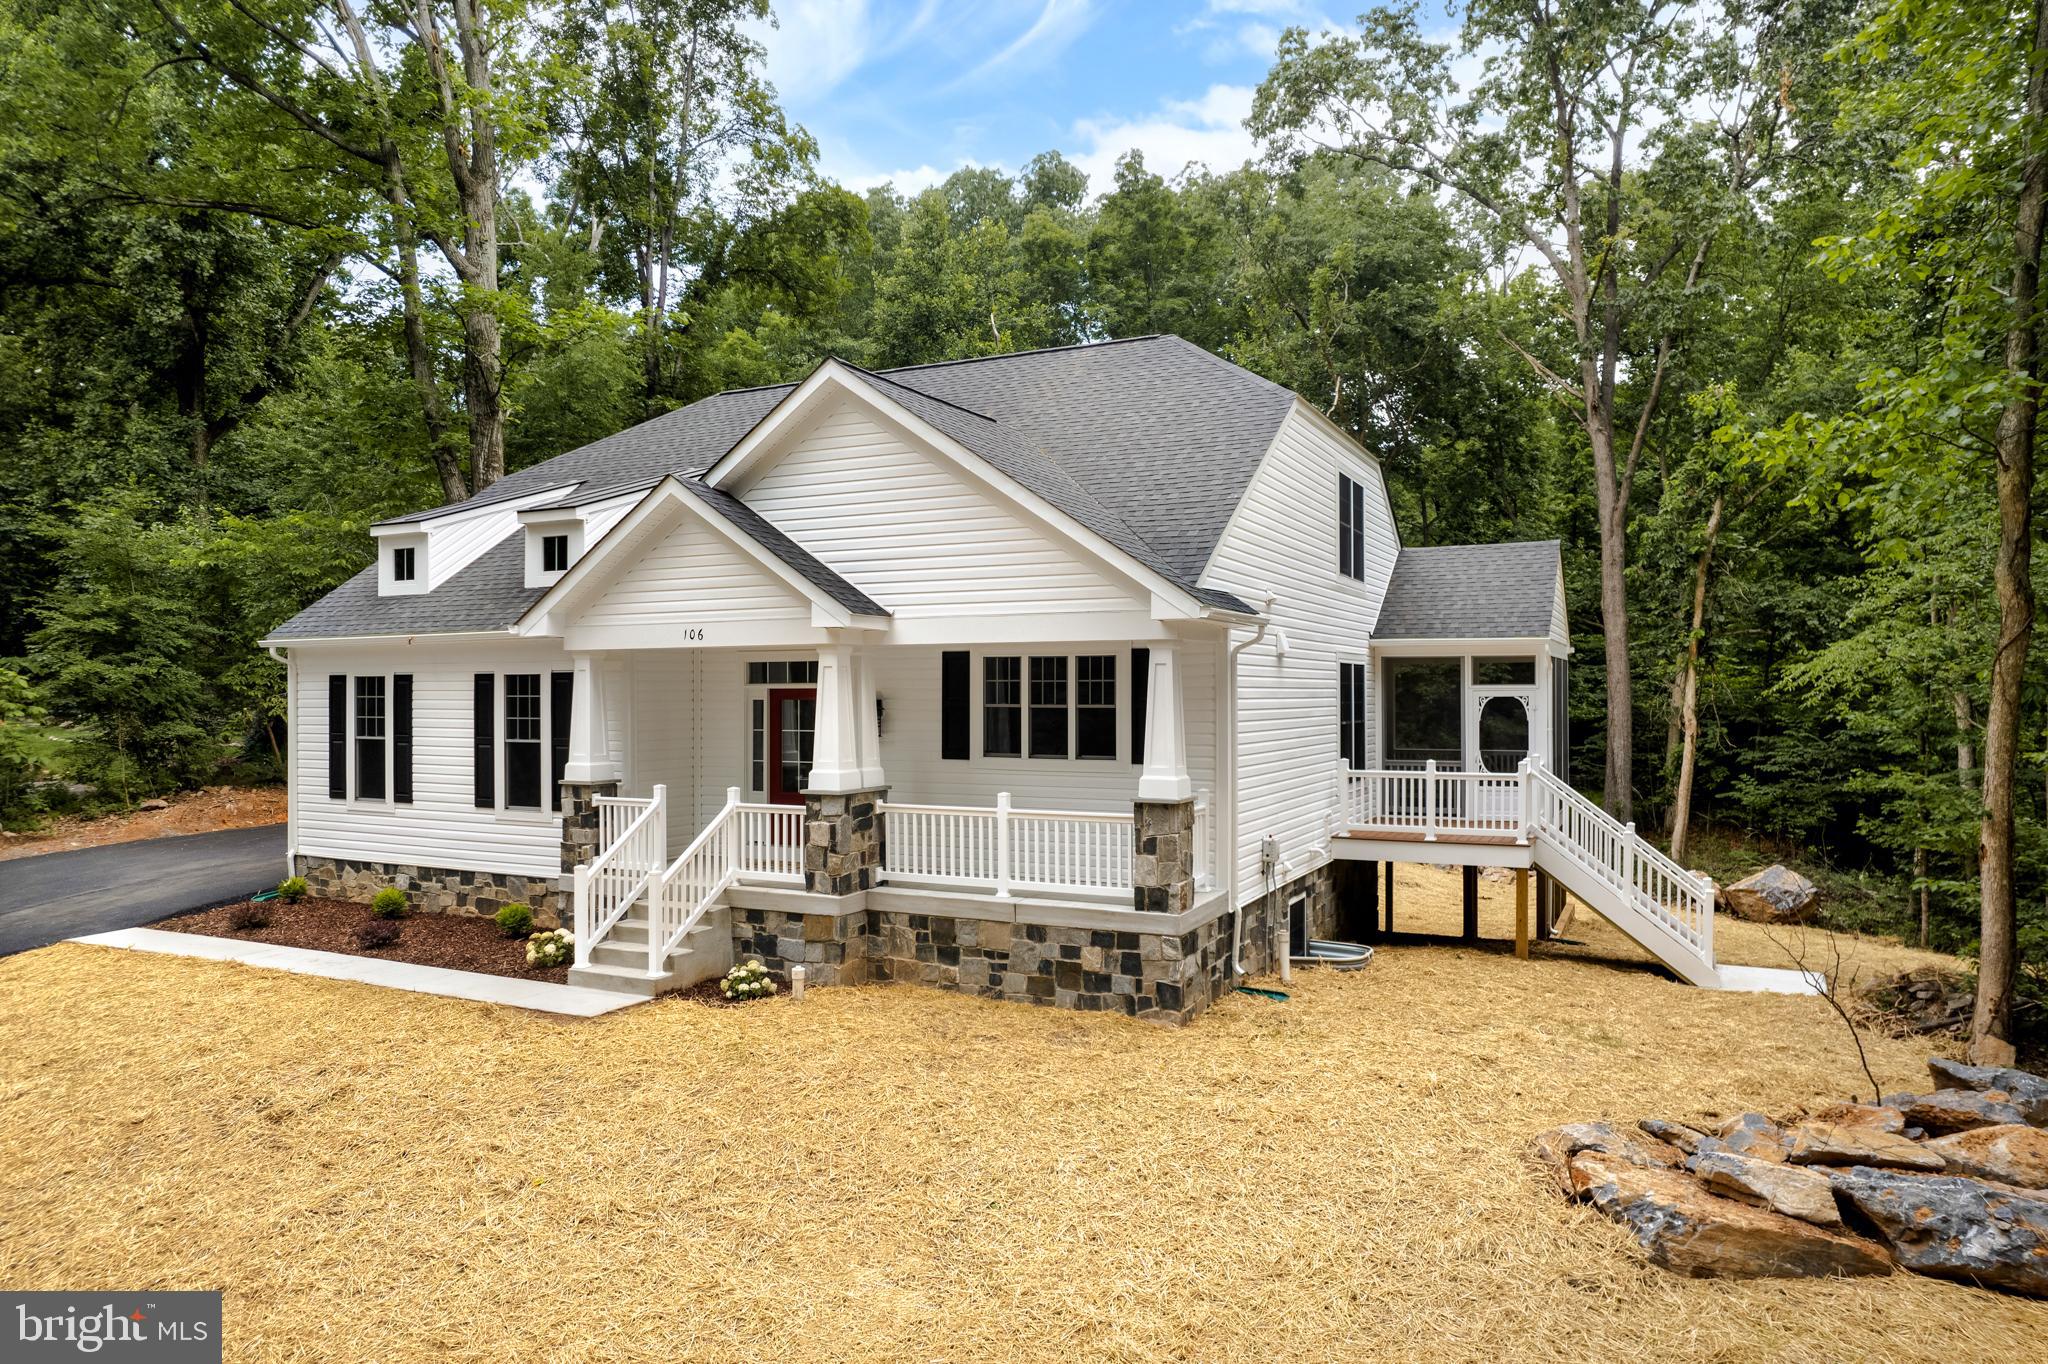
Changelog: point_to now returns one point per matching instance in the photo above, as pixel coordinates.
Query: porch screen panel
(1095, 706)
(484, 746)
(561, 702)
(337, 736)
(1049, 706)
(953, 731)
(370, 738)
(1002, 707)
(1560, 718)
(401, 738)
(1423, 704)
(522, 740)
(1141, 683)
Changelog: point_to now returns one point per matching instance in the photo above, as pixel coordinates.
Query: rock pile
(1952, 1183)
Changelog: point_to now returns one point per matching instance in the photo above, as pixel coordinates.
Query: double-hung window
(1049, 706)
(1095, 706)
(1350, 527)
(370, 736)
(1002, 707)
(522, 740)
(1351, 714)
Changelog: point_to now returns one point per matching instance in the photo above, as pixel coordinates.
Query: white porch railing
(1435, 802)
(632, 850)
(1008, 850)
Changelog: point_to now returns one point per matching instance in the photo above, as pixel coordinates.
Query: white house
(1086, 676)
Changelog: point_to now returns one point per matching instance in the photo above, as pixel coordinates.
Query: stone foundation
(436, 890)
(579, 820)
(1163, 856)
(1162, 977)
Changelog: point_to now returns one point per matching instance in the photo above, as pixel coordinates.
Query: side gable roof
(1472, 592)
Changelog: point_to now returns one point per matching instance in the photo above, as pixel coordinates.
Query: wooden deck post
(1546, 905)
(1522, 913)
(1471, 903)
(1390, 897)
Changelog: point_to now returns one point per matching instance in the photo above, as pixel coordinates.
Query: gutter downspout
(291, 756)
(1236, 736)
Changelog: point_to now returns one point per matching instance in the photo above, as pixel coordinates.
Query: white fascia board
(301, 641)
(669, 493)
(462, 511)
(832, 381)
(1426, 648)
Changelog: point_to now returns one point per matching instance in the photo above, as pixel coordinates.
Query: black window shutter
(561, 698)
(401, 737)
(337, 736)
(954, 715)
(1141, 679)
(485, 742)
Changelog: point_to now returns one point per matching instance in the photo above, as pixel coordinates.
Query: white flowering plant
(748, 980)
(550, 947)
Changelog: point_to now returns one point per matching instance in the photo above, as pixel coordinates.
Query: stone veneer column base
(579, 820)
(435, 890)
(843, 837)
(1163, 856)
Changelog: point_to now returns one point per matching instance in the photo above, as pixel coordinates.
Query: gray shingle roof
(1148, 442)
(1471, 592)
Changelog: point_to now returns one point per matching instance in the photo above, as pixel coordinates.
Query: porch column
(1163, 815)
(870, 723)
(842, 821)
(1165, 776)
(592, 769)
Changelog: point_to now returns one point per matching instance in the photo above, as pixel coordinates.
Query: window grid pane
(1049, 706)
(1095, 706)
(1002, 708)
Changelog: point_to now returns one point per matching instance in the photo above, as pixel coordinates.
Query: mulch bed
(454, 941)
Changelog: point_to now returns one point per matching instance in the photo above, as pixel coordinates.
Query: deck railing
(1435, 802)
(1676, 899)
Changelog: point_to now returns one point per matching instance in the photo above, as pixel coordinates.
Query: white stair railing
(627, 863)
(690, 885)
(1642, 878)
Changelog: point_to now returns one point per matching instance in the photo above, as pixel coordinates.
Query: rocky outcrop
(1688, 1230)
(2012, 1154)
(1826, 1143)
(1849, 1189)
(1955, 1110)
(2028, 1093)
(1775, 895)
(1955, 1228)
(1793, 1190)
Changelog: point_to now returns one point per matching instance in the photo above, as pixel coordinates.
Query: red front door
(792, 726)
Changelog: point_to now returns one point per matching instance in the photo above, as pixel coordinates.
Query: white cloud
(816, 44)
(1209, 129)
(1059, 22)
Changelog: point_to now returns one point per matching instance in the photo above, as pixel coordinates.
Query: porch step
(619, 962)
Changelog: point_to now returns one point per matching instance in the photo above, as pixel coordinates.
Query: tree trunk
(1991, 1031)
(1920, 879)
(1689, 715)
(1618, 792)
(419, 357)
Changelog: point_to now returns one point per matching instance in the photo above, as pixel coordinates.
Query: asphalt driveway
(60, 895)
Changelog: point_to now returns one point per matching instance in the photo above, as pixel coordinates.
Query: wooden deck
(1443, 836)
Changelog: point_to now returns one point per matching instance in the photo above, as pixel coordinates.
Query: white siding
(442, 827)
(915, 534)
(1283, 542)
(694, 573)
(1560, 628)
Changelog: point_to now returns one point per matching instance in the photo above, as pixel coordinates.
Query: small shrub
(550, 947)
(292, 889)
(390, 903)
(378, 933)
(254, 914)
(748, 980)
(515, 920)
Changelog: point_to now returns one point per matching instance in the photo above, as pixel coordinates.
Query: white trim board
(543, 996)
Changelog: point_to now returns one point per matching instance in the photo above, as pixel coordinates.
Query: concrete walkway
(53, 896)
(541, 995)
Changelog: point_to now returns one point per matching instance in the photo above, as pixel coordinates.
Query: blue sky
(910, 90)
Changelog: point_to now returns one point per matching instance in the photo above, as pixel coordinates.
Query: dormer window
(554, 553)
(402, 564)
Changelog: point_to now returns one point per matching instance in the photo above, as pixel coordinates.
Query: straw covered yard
(894, 1173)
